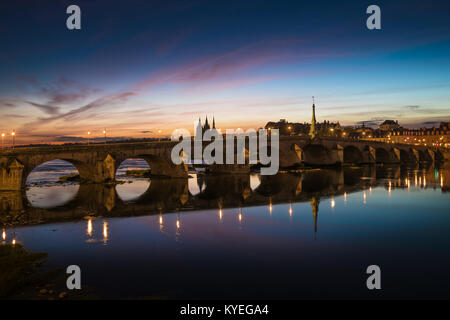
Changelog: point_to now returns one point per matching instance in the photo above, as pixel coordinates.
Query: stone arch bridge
(98, 163)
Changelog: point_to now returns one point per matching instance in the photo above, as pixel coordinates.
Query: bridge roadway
(98, 162)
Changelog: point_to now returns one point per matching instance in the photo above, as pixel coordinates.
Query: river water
(300, 235)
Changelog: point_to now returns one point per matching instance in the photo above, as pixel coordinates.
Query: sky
(138, 68)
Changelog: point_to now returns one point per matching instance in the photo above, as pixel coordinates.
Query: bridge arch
(382, 155)
(84, 170)
(424, 156)
(406, 156)
(43, 191)
(438, 155)
(163, 168)
(315, 154)
(352, 154)
(136, 183)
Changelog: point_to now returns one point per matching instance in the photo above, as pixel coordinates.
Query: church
(206, 126)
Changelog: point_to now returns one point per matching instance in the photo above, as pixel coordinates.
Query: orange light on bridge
(13, 134)
(3, 140)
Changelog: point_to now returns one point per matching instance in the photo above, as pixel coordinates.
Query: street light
(104, 132)
(89, 136)
(13, 134)
(3, 140)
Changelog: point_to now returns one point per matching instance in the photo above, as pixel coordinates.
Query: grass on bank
(17, 268)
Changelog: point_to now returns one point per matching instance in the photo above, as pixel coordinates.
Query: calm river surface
(303, 235)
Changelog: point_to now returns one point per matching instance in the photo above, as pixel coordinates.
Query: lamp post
(13, 134)
(3, 140)
(104, 132)
(89, 136)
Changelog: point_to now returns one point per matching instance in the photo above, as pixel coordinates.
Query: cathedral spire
(312, 129)
(206, 126)
(214, 123)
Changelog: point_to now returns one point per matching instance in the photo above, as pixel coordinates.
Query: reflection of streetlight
(160, 223)
(105, 231)
(89, 227)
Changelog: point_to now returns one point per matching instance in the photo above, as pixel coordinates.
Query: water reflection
(105, 232)
(233, 224)
(51, 196)
(132, 187)
(89, 227)
(202, 191)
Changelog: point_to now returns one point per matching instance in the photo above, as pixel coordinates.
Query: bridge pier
(432, 155)
(370, 155)
(416, 155)
(11, 203)
(11, 171)
(105, 170)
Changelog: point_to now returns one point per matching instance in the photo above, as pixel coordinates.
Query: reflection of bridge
(222, 191)
(98, 163)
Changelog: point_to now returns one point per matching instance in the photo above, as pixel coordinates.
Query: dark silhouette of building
(314, 129)
(206, 126)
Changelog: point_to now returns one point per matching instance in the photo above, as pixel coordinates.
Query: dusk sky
(140, 66)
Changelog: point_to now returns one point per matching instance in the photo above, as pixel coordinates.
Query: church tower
(206, 126)
(312, 129)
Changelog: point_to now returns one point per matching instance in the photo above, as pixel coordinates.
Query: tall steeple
(312, 129)
(214, 123)
(199, 130)
(206, 127)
